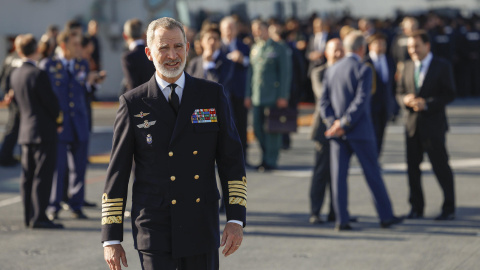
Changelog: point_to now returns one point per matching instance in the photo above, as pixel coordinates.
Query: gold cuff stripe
(112, 204)
(240, 201)
(112, 200)
(237, 194)
(106, 209)
(237, 186)
(111, 220)
(112, 213)
(237, 182)
(237, 190)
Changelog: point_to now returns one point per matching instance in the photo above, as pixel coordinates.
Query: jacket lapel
(190, 95)
(158, 104)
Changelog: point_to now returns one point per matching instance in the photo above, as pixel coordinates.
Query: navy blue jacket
(346, 96)
(175, 195)
(70, 91)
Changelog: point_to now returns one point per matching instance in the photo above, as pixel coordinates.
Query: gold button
(198, 200)
(174, 201)
(71, 104)
(57, 83)
(172, 178)
(195, 152)
(196, 177)
(170, 154)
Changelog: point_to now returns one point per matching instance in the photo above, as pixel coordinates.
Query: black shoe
(414, 215)
(89, 204)
(343, 227)
(265, 168)
(314, 219)
(47, 225)
(52, 216)
(390, 222)
(446, 216)
(78, 214)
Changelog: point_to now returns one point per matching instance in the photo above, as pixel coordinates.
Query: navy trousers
(153, 260)
(340, 153)
(74, 157)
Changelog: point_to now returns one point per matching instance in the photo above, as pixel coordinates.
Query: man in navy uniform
(427, 86)
(39, 112)
(175, 127)
(68, 76)
(345, 108)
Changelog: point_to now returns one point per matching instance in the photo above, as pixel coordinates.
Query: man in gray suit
(321, 170)
(345, 108)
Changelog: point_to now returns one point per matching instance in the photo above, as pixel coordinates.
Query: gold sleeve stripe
(237, 182)
(237, 194)
(237, 190)
(105, 199)
(112, 204)
(106, 209)
(113, 200)
(112, 213)
(237, 186)
(111, 220)
(240, 201)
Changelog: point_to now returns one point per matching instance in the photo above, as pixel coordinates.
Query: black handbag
(280, 120)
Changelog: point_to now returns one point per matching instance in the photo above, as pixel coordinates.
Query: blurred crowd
(263, 65)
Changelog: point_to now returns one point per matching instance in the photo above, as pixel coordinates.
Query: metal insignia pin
(149, 139)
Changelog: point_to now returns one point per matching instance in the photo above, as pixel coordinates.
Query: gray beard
(172, 73)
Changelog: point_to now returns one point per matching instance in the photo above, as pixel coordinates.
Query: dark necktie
(173, 98)
(67, 67)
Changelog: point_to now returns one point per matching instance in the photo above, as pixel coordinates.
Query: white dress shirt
(425, 65)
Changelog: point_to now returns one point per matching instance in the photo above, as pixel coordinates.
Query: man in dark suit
(39, 110)
(137, 69)
(316, 45)
(176, 128)
(383, 72)
(345, 108)
(427, 86)
(213, 64)
(321, 170)
(238, 52)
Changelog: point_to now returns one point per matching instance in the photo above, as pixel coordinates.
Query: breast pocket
(206, 127)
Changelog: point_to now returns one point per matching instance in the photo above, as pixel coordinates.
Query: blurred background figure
(399, 49)
(317, 42)
(11, 62)
(426, 87)
(95, 59)
(382, 101)
(321, 170)
(213, 64)
(39, 121)
(238, 52)
(344, 106)
(68, 75)
(137, 69)
(268, 85)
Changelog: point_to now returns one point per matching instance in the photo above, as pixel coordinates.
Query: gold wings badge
(147, 124)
